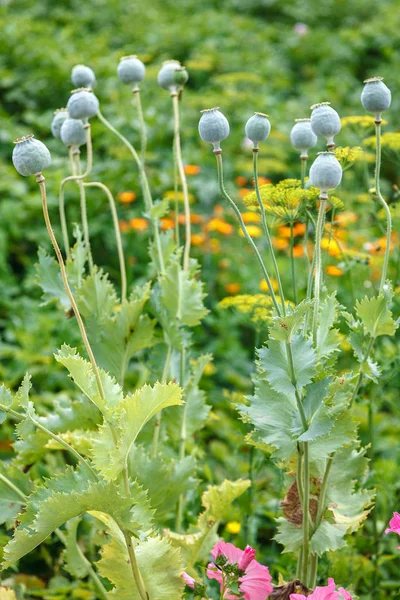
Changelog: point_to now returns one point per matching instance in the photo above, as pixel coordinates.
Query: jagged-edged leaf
(168, 247)
(328, 536)
(134, 412)
(165, 479)
(79, 439)
(159, 564)
(160, 209)
(320, 415)
(182, 294)
(272, 415)
(48, 277)
(195, 545)
(63, 498)
(371, 370)
(343, 431)
(283, 328)
(6, 400)
(12, 478)
(376, 317)
(274, 364)
(75, 264)
(75, 562)
(81, 372)
(328, 338)
(97, 296)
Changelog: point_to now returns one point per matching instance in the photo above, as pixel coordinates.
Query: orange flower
(264, 287)
(218, 210)
(126, 197)
(251, 217)
(220, 226)
(299, 229)
(139, 224)
(124, 226)
(334, 271)
(167, 224)
(284, 231)
(232, 288)
(198, 239)
(224, 263)
(346, 218)
(264, 180)
(298, 251)
(191, 169)
(194, 219)
(241, 181)
(280, 244)
(253, 230)
(244, 191)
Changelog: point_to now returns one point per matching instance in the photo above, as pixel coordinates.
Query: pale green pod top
(166, 77)
(213, 127)
(325, 121)
(82, 104)
(302, 136)
(73, 132)
(83, 76)
(325, 172)
(131, 70)
(59, 117)
(30, 156)
(376, 96)
(258, 128)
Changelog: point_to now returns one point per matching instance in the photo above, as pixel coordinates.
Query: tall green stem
(378, 124)
(182, 176)
(303, 160)
(306, 515)
(143, 132)
(85, 224)
(134, 566)
(266, 229)
(318, 265)
(157, 423)
(118, 239)
(248, 237)
(182, 439)
(294, 287)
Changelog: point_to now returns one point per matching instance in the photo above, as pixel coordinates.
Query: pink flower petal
(188, 580)
(246, 558)
(345, 594)
(232, 553)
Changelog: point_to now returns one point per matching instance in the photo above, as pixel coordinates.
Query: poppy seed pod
(166, 77)
(213, 127)
(325, 122)
(73, 132)
(82, 104)
(302, 136)
(83, 76)
(30, 156)
(181, 76)
(375, 96)
(326, 172)
(258, 128)
(131, 70)
(59, 117)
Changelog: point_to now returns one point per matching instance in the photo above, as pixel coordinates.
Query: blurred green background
(244, 56)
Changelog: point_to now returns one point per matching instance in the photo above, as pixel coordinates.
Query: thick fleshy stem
(378, 124)
(134, 566)
(303, 159)
(218, 156)
(74, 177)
(118, 239)
(148, 201)
(318, 266)
(84, 217)
(182, 176)
(266, 228)
(143, 132)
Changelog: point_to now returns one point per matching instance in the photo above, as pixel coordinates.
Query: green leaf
(328, 537)
(134, 412)
(75, 264)
(6, 400)
(283, 328)
(376, 317)
(48, 277)
(97, 295)
(160, 209)
(274, 364)
(10, 500)
(181, 294)
(328, 338)
(75, 562)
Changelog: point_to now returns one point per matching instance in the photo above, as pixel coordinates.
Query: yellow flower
(171, 195)
(210, 369)
(363, 121)
(251, 217)
(233, 527)
(346, 218)
(331, 246)
(198, 239)
(389, 141)
(347, 155)
(264, 286)
(220, 225)
(257, 306)
(253, 230)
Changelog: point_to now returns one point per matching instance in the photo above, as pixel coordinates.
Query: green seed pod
(82, 104)
(325, 122)
(59, 117)
(181, 76)
(258, 128)
(131, 70)
(326, 172)
(213, 127)
(167, 75)
(375, 96)
(30, 156)
(302, 136)
(83, 76)
(73, 132)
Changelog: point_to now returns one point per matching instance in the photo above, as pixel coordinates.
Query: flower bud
(59, 117)
(30, 156)
(325, 122)
(326, 172)
(258, 128)
(181, 76)
(83, 76)
(73, 132)
(82, 104)
(213, 127)
(167, 75)
(302, 136)
(246, 558)
(376, 96)
(131, 70)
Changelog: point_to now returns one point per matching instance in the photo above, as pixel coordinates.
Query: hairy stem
(303, 160)
(157, 423)
(118, 239)
(134, 566)
(85, 224)
(182, 176)
(182, 440)
(378, 124)
(143, 132)
(318, 265)
(306, 515)
(293, 270)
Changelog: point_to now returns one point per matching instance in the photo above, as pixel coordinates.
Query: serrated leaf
(181, 294)
(97, 296)
(371, 370)
(75, 562)
(160, 209)
(328, 536)
(48, 277)
(328, 338)
(75, 264)
(274, 364)
(134, 412)
(6, 400)
(376, 317)
(10, 500)
(283, 328)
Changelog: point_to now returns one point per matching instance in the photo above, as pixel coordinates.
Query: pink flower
(324, 593)
(188, 580)
(256, 581)
(394, 525)
(345, 594)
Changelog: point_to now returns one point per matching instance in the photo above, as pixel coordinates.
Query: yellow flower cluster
(256, 306)
(286, 200)
(363, 121)
(389, 141)
(346, 154)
